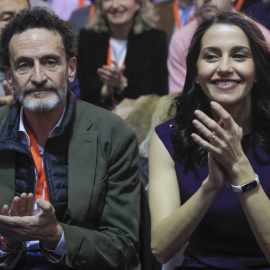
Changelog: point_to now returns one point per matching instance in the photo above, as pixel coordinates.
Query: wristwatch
(247, 186)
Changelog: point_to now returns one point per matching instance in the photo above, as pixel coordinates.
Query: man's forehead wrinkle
(34, 35)
(33, 43)
(22, 50)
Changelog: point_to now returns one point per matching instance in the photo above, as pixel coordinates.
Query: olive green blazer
(103, 192)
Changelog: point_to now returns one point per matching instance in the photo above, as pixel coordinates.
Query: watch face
(249, 186)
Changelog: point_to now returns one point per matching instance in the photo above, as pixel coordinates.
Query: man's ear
(71, 69)
(9, 77)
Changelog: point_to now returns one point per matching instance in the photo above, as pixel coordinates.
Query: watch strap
(246, 187)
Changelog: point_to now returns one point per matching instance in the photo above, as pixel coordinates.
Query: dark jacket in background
(146, 64)
(261, 13)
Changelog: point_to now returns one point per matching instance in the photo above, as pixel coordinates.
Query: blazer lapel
(81, 167)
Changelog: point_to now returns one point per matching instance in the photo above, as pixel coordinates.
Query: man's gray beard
(39, 104)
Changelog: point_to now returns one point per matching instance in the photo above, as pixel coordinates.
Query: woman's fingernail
(214, 104)
(197, 112)
(195, 122)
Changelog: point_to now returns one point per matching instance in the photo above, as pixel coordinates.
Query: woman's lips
(225, 84)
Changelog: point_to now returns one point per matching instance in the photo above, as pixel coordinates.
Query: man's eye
(23, 66)
(50, 63)
(6, 18)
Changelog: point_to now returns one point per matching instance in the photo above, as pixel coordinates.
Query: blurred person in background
(64, 8)
(81, 16)
(174, 14)
(121, 55)
(8, 10)
(261, 13)
(40, 3)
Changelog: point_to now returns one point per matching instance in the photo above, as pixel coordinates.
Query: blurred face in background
(120, 12)
(211, 7)
(9, 9)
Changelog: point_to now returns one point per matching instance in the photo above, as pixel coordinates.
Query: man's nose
(38, 75)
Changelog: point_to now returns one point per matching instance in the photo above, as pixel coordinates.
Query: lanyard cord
(239, 4)
(176, 14)
(109, 63)
(40, 170)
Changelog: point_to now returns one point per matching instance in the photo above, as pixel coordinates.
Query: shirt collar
(23, 134)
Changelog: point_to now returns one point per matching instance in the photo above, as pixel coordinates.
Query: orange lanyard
(38, 161)
(109, 64)
(176, 14)
(81, 3)
(239, 4)
(109, 55)
(92, 10)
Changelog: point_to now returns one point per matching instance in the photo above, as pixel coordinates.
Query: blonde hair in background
(145, 18)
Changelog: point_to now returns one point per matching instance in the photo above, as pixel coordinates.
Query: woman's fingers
(206, 125)
(210, 147)
(207, 133)
(225, 126)
(222, 138)
(225, 117)
(110, 75)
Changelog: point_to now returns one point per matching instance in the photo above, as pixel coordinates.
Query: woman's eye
(210, 57)
(240, 56)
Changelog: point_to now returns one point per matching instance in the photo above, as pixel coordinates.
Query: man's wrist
(52, 243)
(61, 247)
